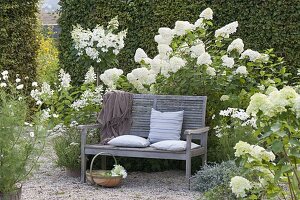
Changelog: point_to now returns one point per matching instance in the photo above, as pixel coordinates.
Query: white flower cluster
(58, 130)
(140, 77)
(253, 55)
(110, 77)
(100, 39)
(119, 170)
(227, 30)
(89, 97)
(45, 93)
(64, 78)
(237, 45)
(242, 70)
(239, 114)
(45, 114)
(90, 76)
(227, 61)
(275, 102)
(207, 14)
(239, 185)
(256, 152)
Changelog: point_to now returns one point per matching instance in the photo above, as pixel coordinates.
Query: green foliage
(214, 175)
(47, 60)
(272, 26)
(18, 37)
(20, 145)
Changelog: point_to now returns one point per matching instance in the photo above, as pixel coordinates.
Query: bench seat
(148, 152)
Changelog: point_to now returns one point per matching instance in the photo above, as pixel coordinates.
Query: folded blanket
(115, 116)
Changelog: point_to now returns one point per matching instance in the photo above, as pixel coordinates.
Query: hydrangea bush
(198, 59)
(99, 46)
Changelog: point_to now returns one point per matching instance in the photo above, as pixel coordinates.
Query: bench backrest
(194, 110)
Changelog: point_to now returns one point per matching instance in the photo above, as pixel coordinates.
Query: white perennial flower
(197, 50)
(199, 23)
(211, 71)
(20, 87)
(227, 30)
(181, 27)
(165, 36)
(34, 84)
(164, 50)
(18, 80)
(139, 55)
(90, 76)
(140, 77)
(207, 14)
(65, 79)
(239, 185)
(3, 84)
(237, 45)
(227, 61)
(241, 70)
(204, 59)
(176, 63)
(110, 77)
(253, 55)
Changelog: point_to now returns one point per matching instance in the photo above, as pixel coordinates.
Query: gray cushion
(173, 145)
(165, 125)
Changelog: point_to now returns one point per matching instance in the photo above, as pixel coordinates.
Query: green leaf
(277, 146)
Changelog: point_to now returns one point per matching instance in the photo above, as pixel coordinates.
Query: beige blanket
(115, 116)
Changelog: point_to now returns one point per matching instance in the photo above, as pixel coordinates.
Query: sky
(50, 5)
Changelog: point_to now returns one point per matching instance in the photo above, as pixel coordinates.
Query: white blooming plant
(99, 46)
(64, 106)
(22, 135)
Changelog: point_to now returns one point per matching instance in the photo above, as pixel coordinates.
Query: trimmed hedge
(262, 24)
(18, 36)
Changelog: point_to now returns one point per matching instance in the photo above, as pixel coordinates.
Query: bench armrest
(198, 131)
(89, 126)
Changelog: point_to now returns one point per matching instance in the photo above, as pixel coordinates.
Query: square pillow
(129, 141)
(172, 145)
(165, 125)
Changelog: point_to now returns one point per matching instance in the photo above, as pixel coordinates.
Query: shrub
(260, 28)
(18, 37)
(211, 176)
(47, 61)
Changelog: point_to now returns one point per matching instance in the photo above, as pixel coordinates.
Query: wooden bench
(193, 128)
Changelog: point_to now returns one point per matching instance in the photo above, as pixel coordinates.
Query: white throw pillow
(165, 125)
(172, 145)
(129, 141)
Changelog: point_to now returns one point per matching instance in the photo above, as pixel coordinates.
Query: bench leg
(188, 167)
(103, 162)
(83, 169)
(204, 159)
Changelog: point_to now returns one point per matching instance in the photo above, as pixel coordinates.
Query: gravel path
(50, 182)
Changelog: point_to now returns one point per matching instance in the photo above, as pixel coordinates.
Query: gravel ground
(50, 182)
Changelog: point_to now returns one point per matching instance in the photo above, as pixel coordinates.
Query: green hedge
(18, 36)
(263, 24)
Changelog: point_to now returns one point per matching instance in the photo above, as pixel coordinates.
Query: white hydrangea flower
(164, 50)
(139, 55)
(258, 102)
(237, 45)
(199, 23)
(110, 77)
(227, 30)
(4, 73)
(239, 186)
(211, 71)
(119, 170)
(296, 106)
(227, 61)
(197, 50)
(264, 57)
(34, 84)
(181, 27)
(65, 79)
(140, 77)
(90, 76)
(242, 148)
(253, 55)
(176, 63)
(165, 36)
(18, 80)
(241, 70)
(113, 23)
(224, 98)
(20, 87)
(207, 14)
(204, 59)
